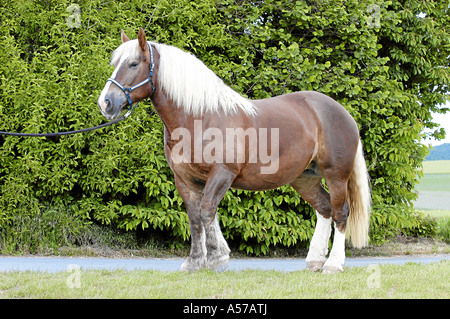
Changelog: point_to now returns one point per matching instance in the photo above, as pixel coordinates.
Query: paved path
(57, 264)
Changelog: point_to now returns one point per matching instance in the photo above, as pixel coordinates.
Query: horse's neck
(175, 117)
(172, 116)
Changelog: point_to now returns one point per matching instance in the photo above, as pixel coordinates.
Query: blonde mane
(189, 82)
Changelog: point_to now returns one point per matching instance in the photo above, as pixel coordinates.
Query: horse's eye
(133, 64)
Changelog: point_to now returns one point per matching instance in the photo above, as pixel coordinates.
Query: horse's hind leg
(339, 213)
(309, 186)
(330, 207)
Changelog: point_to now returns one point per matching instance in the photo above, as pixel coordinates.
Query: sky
(444, 121)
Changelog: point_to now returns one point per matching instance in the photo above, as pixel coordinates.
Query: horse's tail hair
(359, 201)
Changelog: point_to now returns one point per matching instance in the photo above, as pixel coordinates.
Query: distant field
(434, 182)
(436, 167)
(434, 186)
(436, 176)
(437, 213)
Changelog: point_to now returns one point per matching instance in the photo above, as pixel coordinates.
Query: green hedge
(385, 64)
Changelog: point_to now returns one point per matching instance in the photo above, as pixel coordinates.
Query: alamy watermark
(374, 19)
(231, 148)
(74, 279)
(74, 19)
(374, 279)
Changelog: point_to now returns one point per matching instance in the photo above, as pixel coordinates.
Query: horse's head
(132, 79)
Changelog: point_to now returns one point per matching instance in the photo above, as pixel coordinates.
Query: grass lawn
(385, 281)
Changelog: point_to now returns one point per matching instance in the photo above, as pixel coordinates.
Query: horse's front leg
(192, 195)
(219, 181)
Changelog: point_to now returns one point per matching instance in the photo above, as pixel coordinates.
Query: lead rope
(123, 117)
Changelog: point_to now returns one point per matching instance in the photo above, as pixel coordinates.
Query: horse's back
(302, 102)
(310, 112)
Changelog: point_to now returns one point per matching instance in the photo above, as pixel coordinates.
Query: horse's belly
(276, 174)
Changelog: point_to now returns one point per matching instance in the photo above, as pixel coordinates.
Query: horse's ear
(124, 37)
(142, 40)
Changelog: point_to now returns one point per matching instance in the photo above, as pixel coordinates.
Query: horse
(216, 139)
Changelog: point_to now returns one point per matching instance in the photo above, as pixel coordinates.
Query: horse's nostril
(108, 105)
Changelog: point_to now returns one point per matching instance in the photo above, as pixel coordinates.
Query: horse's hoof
(192, 264)
(219, 264)
(314, 265)
(332, 270)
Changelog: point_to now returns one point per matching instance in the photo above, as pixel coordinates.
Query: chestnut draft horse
(215, 139)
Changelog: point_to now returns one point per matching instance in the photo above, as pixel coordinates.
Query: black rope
(123, 117)
(68, 132)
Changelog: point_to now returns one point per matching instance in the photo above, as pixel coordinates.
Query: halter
(127, 91)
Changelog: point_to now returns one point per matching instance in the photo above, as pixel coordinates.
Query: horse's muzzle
(108, 108)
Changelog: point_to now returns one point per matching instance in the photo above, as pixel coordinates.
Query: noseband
(127, 91)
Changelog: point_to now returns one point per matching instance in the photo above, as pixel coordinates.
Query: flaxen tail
(359, 201)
